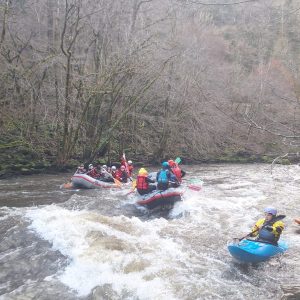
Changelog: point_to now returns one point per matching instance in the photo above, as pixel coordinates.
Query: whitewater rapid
(97, 244)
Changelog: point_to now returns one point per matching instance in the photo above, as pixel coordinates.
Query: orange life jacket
(141, 182)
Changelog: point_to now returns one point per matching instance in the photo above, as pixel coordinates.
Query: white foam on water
(124, 252)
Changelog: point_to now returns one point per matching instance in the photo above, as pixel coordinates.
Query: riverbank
(24, 161)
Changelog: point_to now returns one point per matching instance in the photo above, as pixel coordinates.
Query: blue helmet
(271, 210)
(165, 165)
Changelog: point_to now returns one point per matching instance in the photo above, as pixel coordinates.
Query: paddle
(195, 185)
(126, 166)
(177, 160)
(275, 219)
(132, 188)
(67, 185)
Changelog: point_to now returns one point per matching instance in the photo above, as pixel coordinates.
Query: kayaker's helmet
(165, 165)
(113, 168)
(143, 171)
(130, 162)
(122, 168)
(90, 166)
(104, 167)
(271, 210)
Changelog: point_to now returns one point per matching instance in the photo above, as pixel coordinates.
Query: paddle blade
(194, 187)
(134, 184)
(67, 185)
(117, 182)
(178, 160)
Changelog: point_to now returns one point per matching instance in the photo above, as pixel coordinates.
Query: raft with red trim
(83, 181)
(160, 198)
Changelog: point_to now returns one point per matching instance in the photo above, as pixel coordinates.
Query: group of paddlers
(108, 174)
(170, 175)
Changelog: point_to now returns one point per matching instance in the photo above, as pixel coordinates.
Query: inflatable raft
(250, 251)
(160, 198)
(83, 181)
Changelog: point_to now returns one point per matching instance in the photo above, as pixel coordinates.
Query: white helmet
(130, 162)
(113, 168)
(90, 166)
(104, 167)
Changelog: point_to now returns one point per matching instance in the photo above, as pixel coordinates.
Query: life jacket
(121, 176)
(141, 182)
(163, 176)
(93, 173)
(264, 234)
(177, 172)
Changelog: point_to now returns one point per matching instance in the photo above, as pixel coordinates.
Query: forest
(209, 81)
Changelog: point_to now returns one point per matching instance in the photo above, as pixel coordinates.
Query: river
(97, 244)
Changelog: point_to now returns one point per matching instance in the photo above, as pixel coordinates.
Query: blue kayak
(250, 251)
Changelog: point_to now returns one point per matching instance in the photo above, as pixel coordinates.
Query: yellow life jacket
(278, 227)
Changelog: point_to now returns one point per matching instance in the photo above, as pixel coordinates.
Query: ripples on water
(96, 244)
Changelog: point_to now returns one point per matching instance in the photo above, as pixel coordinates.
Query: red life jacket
(141, 182)
(93, 173)
(118, 175)
(177, 172)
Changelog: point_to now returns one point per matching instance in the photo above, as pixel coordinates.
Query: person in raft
(267, 229)
(80, 169)
(176, 170)
(121, 174)
(142, 182)
(165, 178)
(105, 175)
(128, 166)
(92, 172)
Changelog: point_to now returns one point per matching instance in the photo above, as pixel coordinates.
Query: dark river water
(98, 244)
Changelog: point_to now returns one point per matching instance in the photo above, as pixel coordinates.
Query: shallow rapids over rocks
(97, 244)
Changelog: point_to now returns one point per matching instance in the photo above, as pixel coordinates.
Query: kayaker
(267, 230)
(165, 178)
(142, 182)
